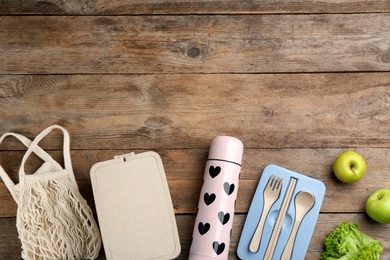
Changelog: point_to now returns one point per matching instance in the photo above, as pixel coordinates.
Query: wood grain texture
(187, 111)
(208, 44)
(326, 223)
(297, 81)
(105, 7)
(184, 170)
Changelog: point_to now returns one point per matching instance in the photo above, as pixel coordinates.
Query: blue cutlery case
(306, 228)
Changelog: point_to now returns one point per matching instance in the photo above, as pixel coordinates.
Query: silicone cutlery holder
(306, 228)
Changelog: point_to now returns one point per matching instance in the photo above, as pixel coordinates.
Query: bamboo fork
(279, 222)
(271, 194)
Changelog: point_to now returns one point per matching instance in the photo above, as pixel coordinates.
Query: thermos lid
(226, 148)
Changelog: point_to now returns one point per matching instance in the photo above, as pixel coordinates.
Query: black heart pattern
(209, 198)
(214, 171)
(218, 248)
(224, 218)
(203, 228)
(229, 188)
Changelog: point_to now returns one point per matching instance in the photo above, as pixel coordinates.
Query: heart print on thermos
(213, 224)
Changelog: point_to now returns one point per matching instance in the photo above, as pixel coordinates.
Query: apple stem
(353, 170)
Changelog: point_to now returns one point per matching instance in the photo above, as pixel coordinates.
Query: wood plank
(184, 169)
(10, 245)
(187, 111)
(115, 7)
(185, 196)
(188, 164)
(194, 44)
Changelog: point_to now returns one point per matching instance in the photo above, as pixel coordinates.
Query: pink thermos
(213, 224)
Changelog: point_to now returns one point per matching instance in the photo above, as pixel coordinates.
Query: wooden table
(298, 82)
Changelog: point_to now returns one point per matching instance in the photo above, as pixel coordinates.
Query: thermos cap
(226, 148)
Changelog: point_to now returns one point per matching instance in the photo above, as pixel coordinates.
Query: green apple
(378, 206)
(349, 167)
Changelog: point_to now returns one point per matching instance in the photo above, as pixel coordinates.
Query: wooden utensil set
(271, 195)
(277, 211)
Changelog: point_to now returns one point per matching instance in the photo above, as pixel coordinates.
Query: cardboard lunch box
(134, 208)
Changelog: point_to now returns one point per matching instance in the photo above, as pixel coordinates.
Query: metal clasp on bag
(124, 157)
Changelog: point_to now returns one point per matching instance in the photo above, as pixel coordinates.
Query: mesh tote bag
(53, 220)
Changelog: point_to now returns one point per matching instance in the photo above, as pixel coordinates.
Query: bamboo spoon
(304, 201)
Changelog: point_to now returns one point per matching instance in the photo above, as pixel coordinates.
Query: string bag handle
(46, 157)
(37, 150)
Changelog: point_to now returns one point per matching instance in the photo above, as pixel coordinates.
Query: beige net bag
(53, 219)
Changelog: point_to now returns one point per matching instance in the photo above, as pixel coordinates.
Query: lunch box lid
(134, 208)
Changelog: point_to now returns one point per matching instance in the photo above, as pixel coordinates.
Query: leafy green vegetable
(347, 242)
